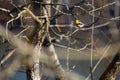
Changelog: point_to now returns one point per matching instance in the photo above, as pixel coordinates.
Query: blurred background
(98, 36)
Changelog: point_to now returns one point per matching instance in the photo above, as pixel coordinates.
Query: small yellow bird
(78, 23)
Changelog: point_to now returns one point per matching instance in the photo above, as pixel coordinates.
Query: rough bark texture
(34, 69)
(112, 70)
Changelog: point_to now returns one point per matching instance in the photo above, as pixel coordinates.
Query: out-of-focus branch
(112, 70)
(23, 47)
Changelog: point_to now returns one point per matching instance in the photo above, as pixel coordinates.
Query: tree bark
(34, 69)
(112, 70)
(34, 65)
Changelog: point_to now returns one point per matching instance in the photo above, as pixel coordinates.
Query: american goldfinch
(79, 24)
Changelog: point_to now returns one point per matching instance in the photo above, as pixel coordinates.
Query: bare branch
(7, 56)
(98, 26)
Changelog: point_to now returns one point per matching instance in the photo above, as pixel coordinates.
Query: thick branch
(112, 70)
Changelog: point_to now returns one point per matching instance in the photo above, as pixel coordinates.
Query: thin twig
(78, 50)
(84, 29)
(23, 31)
(7, 56)
(4, 10)
(102, 7)
(61, 11)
